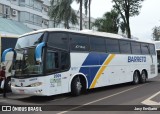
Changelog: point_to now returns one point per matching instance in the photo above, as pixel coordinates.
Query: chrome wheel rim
(136, 78)
(79, 86)
(143, 76)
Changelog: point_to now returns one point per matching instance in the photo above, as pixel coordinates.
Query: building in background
(33, 13)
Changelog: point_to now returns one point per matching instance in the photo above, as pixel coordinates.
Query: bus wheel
(136, 77)
(76, 87)
(143, 77)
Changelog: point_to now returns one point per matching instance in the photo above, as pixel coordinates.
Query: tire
(135, 78)
(143, 77)
(76, 87)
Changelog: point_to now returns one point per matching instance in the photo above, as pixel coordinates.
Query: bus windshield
(29, 40)
(26, 65)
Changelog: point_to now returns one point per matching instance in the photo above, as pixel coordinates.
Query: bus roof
(89, 32)
(85, 32)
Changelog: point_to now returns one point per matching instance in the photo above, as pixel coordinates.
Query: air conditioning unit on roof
(14, 12)
(45, 22)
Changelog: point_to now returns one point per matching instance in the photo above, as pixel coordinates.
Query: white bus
(56, 61)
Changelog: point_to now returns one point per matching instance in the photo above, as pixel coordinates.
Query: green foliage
(108, 23)
(127, 9)
(63, 12)
(156, 33)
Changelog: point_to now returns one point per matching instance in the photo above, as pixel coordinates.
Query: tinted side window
(152, 49)
(136, 48)
(51, 61)
(97, 44)
(145, 48)
(65, 60)
(59, 40)
(57, 61)
(79, 42)
(112, 46)
(125, 46)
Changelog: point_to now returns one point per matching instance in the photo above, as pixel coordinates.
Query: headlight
(36, 84)
(13, 84)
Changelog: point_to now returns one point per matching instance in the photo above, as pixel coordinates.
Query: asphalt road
(121, 99)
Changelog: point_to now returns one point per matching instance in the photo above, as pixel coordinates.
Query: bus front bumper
(28, 90)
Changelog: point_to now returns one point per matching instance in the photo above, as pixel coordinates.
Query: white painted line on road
(148, 101)
(100, 99)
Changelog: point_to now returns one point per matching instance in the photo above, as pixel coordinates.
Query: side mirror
(6, 51)
(38, 52)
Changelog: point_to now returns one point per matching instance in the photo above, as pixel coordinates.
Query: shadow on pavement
(38, 99)
(42, 99)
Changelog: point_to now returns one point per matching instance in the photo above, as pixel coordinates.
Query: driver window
(51, 61)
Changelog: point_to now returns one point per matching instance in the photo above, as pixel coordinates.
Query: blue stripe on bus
(95, 59)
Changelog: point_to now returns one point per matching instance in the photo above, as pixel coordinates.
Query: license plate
(21, 91)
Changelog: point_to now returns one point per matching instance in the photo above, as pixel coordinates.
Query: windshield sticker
(56, 81)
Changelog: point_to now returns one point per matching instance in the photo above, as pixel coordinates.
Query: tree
(63, 12)
(87, 6)
(110, 22)
(156, 33)
(127, 9)
(81, 15)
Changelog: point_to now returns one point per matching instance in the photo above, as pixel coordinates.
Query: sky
(141, 25)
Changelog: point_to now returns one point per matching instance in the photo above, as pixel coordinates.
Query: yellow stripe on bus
(101, 70)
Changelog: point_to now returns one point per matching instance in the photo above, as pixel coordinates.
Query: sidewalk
(7, 94)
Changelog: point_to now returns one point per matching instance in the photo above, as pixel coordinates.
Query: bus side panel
(120, 69)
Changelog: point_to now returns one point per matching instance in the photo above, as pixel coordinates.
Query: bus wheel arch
(143, 76)
(136, 77)
(78, 84)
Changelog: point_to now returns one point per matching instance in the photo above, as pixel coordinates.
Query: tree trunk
(128, 28)
(89, 14)
(54, 23)
(127, 19)
(67, 25)
(81, 3)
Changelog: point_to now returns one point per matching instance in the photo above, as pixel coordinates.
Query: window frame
(59, 51)
(85, 51)
(142, 43)
(105, 38)
(154, 53)
(140, 48)
(118, 45)
(47, 40)
(98, 37)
